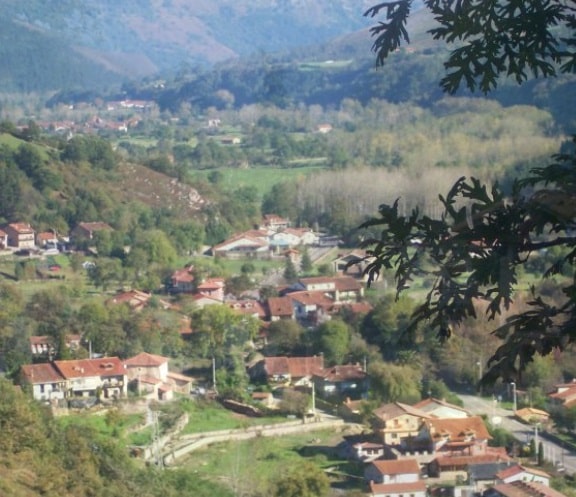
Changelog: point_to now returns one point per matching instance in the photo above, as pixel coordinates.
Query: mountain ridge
(137, 38)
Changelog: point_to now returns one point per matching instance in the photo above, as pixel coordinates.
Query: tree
(474, 250)
(290, 272)
(513, 38)
(306, 480)
(333, 339)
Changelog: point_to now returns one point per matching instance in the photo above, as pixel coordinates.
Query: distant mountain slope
(99, 40)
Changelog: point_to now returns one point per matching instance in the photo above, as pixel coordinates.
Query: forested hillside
(101, 41)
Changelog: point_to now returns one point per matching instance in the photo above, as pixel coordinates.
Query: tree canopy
(516, 38)
(476, 249)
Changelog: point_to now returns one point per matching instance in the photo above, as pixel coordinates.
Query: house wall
(529, 478)
(412, 494)
(399, 428)
(47, 391)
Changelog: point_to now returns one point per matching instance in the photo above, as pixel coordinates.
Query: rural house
(20, 236)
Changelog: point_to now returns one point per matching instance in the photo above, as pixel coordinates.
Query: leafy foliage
(516, 38)
(476, 247)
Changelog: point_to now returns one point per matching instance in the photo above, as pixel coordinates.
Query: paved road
(524, 433)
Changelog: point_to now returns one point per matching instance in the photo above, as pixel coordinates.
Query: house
(279, 308)
(350, 264)
(564, 394)
(522, 489)
(350, 380)
(398, 424)
(145, 364)
(483, 475)
(456, 436)
(311, 307)
(182, 280)
(200, 301)
(213, 288)
(324, 128)
(339, 289)
(230, 140)
(248, 308)
(20, 236)
(47, 240)
(46, 382)
(3, 240)
(136, 300)
(413, 489)
(104, 376)
(293, 237)
(531, 415)
(242, 245)
(442, 409)
(282, 370)
(393, 471)
(453, 467)
(148, 374)
(86, 231)
(517, 472)
(43, 347)
(274, 222)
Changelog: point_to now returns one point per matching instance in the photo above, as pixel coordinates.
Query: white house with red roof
(518, 472)
(86, 377)
(248, 307)
(76, 378)
(213, 288)
(293, 237)
(389, 471)
(253, 243)
(282, 370)
(274, 222)
(46, 382)
(279, 308)
(564, 394)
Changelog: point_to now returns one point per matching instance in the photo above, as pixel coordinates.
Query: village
(406, 450)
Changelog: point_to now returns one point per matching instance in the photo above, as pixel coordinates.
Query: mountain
(89, 43)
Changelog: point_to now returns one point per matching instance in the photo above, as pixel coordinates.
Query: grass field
(253, 464)
(263, 178)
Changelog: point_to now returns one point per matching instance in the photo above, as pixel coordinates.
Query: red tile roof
(21, 228)
(518, 469)
(318, 298)
(85, 368)
(342, 373)
(397, 466)
(463, 461)
(183, 275)
(526, 489)
(459, 429)
(146, 360)
(296, 367)
(41, 373)
(280, 307)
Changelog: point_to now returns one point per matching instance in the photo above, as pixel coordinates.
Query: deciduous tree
(474, 249)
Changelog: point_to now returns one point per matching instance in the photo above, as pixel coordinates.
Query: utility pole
(514, 400)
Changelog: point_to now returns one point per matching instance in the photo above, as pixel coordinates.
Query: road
(523, 433)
